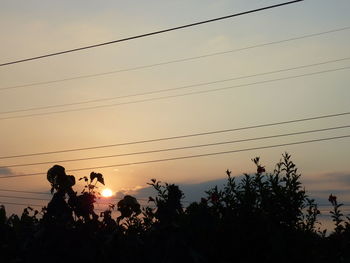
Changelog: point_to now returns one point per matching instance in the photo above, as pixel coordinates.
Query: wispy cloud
(5, 171)
(192, 192)
(320, 186)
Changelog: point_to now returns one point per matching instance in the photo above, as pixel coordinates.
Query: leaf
(101, 180)
(2, 215)
(93, 175)
(256, 160)
(98, 176)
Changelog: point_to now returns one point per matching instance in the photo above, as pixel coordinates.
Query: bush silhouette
(263, 217)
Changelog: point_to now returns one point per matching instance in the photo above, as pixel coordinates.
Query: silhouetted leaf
(98, 176)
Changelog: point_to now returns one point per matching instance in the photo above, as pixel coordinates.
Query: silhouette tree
(261, 217)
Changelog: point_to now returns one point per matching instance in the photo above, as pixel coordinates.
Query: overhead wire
(175, 60)
(25, 192)
(339, 114)
(24, 197)
(106, 43)
(97, 209)
(178, 148)
(42, 193)
(142, 199)
(16, 203)
(176, 95)
(107, 199)
(148, 34)
(45, 199)
(98, 203)
(33, 205)
(185, 157)
(175, 88)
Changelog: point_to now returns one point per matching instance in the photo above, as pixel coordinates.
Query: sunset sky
(248, 43)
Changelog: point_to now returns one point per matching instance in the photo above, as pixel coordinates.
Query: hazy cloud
(128, 191)
(318, 188)
(343, 178)
(328, 177)
(192, 192)
(5, 171)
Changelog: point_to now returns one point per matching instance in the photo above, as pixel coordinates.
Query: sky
(32, 28)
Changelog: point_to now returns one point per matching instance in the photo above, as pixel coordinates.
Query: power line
(33, 205)
(24, 197)
(176, 88)
(176, 60)
(96, 209)
(149, 34)
(177, 95)
(116, 199)
(37, 205)
(96, 203)
(182, 136)
(142, 199)
(43, 199)
(25, 192)
(25, 204)
(187, 157)
(42, 193)
(178, 148)
(109, 199)
(45, 193)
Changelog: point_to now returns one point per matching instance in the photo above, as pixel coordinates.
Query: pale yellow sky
(30, 28)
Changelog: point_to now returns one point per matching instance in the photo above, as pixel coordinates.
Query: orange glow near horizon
(106, 192)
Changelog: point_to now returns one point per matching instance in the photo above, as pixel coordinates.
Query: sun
(106, 192)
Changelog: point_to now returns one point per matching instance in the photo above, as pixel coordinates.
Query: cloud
(128, 191)
(327, 181)
(343, 178)
(192, 192)
(317, 187)
(5, 171)
(320, 186)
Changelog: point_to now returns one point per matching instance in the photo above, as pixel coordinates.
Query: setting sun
(106, 192)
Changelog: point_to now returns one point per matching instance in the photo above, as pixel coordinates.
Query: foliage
(262, 217)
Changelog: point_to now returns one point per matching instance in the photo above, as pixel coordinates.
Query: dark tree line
(265, 217)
